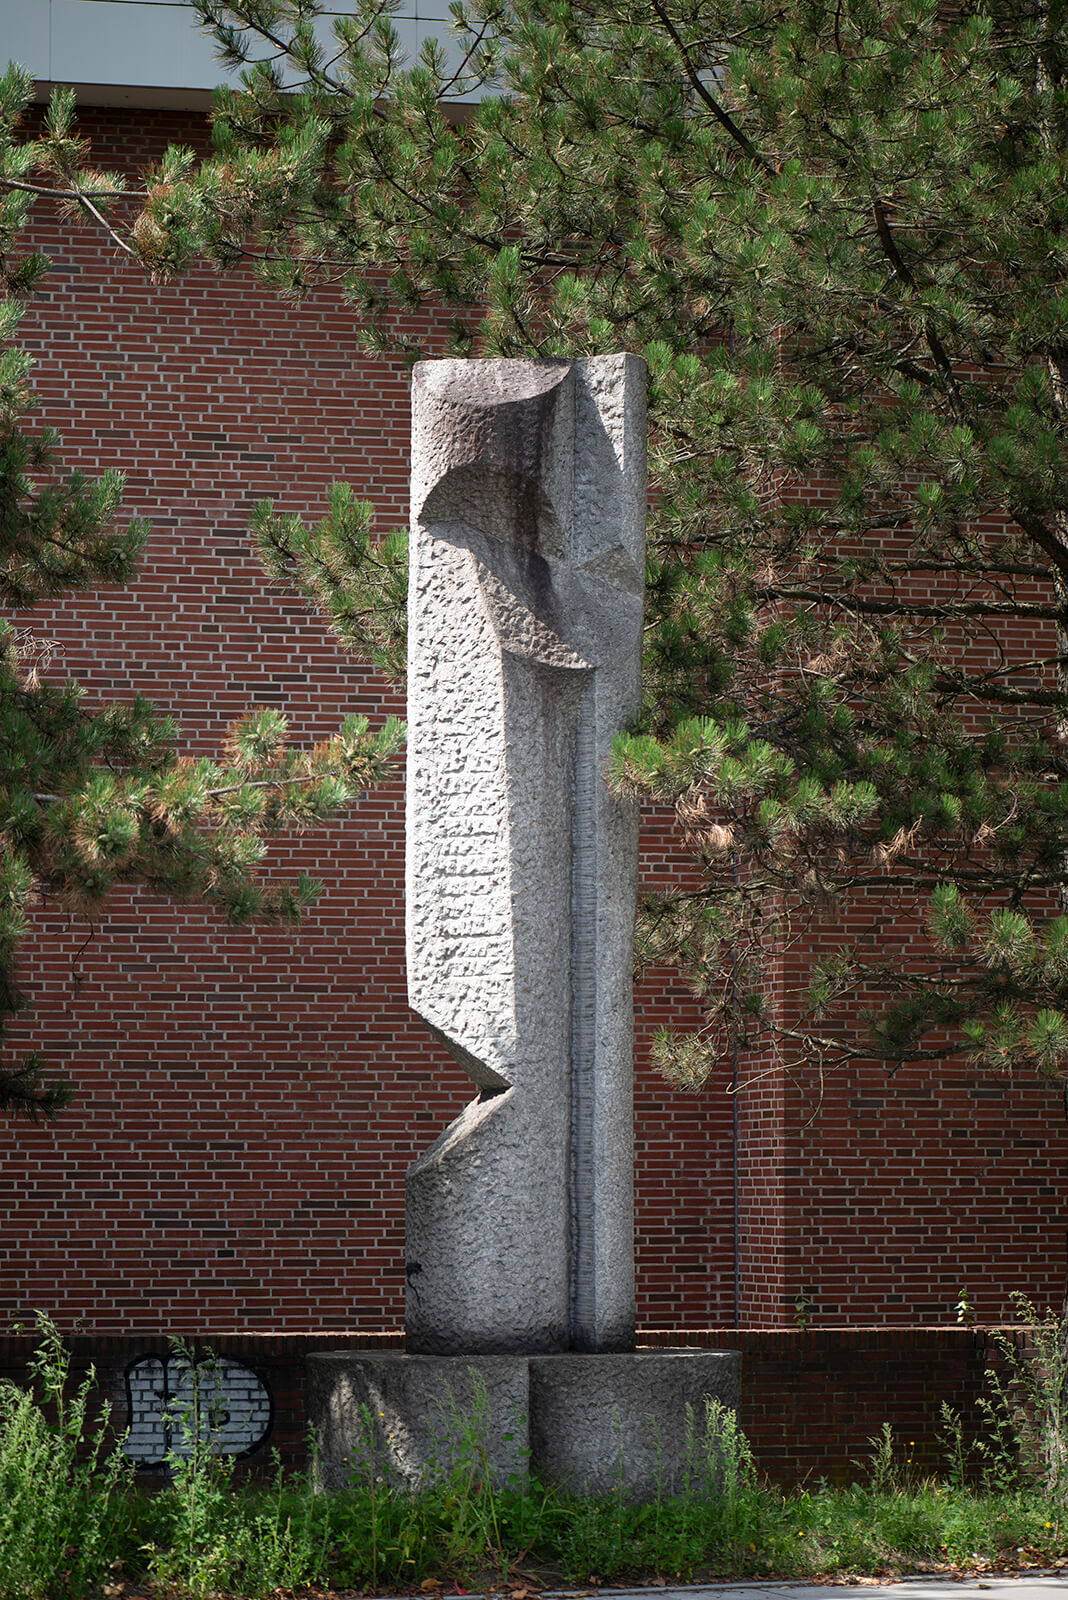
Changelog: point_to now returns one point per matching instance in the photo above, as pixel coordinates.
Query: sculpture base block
(591, 1423)
(635, 1423)
(413, 1419)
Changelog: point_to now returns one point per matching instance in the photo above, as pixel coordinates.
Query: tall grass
(1034, 1400)
(201, 1535)
(70, 1518)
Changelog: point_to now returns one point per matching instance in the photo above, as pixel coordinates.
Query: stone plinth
(630, 1422)
(413, 1419)
(584, 1421)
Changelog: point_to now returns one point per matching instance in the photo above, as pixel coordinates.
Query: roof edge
(146, 97)
(135, 96)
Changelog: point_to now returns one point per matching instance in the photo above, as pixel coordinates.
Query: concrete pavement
(1043, 1586)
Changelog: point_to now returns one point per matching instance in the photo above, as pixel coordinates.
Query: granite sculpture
(525, 634)
(525, 624)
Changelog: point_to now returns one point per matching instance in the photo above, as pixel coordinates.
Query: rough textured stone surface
(525, 618)
(409, 1418)
(630, 1421)
(588, 1421)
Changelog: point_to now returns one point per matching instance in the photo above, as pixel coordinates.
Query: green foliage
(723, 1523)
(955, 1450)
(1024, 1438)
(70, 1518)
(689, 1537)
(201, 1535)
(997, 1449)
(884, 1470)
(61, 1480)
(94, 797)
(458, 1522)
(1031, 1403)
(836, 230)
(359, 582)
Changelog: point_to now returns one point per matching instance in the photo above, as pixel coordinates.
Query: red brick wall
(905, 1190)
(249, 1099)
(813, 1401)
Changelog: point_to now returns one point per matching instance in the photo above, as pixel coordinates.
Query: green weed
(455, 1524)
(69, 1514)
(1034, 1403)
(205, 1536)
(61, 1482)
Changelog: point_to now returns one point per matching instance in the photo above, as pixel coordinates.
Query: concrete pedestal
(634, 1422)
(414, 1419)
(587, 1422)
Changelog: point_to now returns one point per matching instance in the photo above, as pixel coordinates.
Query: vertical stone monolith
(525, 631)
(525, 624)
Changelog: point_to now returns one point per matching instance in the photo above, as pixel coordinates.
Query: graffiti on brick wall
(173, 1403)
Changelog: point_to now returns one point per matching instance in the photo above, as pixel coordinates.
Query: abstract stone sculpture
(525, 622)
(525, 631)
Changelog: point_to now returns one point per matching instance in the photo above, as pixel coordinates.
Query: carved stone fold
(525, 627)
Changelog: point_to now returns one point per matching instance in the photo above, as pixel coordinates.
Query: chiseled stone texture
(525, 628)
(626, 1422)
(413, 1419)
(630, 1422)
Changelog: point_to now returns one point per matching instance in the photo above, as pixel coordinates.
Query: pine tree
(837, 231)
(95, 796)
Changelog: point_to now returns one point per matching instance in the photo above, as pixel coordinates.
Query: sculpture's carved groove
(528, 495)
(583, 1028)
